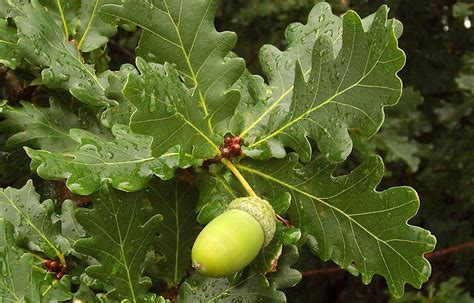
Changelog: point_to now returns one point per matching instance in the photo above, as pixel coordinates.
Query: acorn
(233, 239)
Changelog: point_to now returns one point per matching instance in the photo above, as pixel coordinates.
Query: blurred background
(427, 141)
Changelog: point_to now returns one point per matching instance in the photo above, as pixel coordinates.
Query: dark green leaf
(269, 256)
(70, 228)
(126, 161)
(279, 67)
(22, 280)
(95, 29)
(79, 19)
(85, 295)
(167, 112)
(118, 114)
(41, 127)
(215, 194)
(175, 201)
(252, 288)
(8, 45)
(64, 13)
(33, 220)
(183, 33)
(14, 8)
(334, 90)
(346, 220)
(285, 276)
(45, 43)
(120, 236)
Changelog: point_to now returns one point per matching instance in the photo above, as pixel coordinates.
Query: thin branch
(449, 250)
(438, 253)
(322, 271)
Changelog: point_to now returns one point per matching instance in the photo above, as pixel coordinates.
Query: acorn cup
(233, 239)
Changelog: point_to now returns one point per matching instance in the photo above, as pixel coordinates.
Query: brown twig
(322, 271)
(438, 253)
(449, 250)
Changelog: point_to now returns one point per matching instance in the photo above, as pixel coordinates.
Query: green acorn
(233, 239)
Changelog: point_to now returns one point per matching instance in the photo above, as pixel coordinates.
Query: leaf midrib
(186, 121)
(27, 219)
(230, 287)
(63, 19)
(13, 291)
(88, 27)
(280, 98)
(84, 67)
(185, 54)
(7, 42)
(180, 45)
(93, 76)
(122, 252)
(315, 108)
(349, 218)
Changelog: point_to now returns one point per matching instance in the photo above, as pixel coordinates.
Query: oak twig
(438, 253)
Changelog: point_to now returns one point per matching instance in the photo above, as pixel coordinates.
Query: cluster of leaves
(134, 140)
(449, 291)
